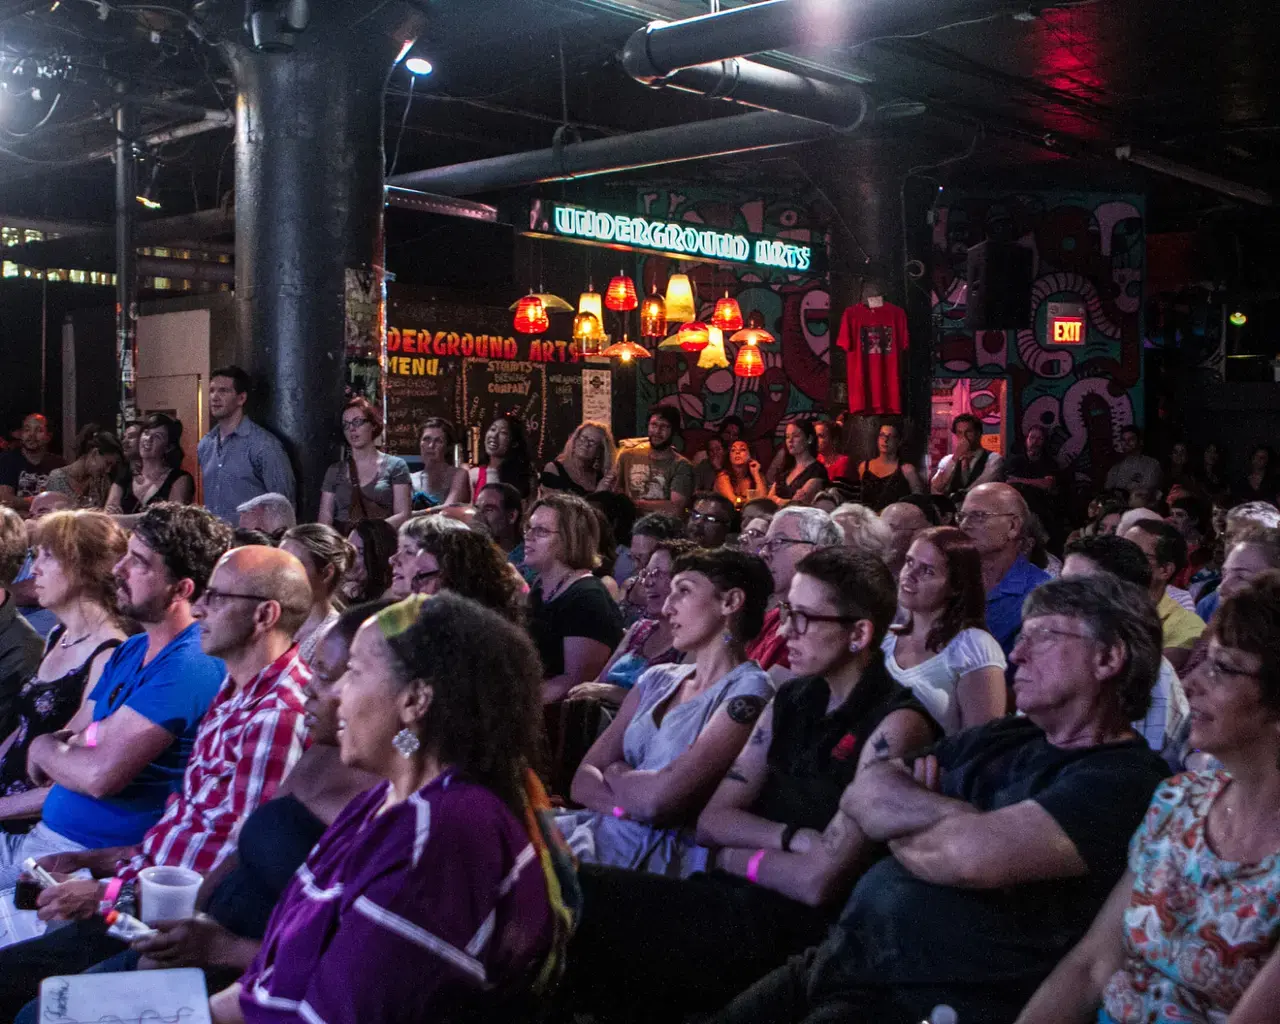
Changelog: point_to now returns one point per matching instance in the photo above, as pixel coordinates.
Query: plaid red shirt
(246, 744)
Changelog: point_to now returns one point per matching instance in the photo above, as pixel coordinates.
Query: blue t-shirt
(173, 690)
(1004, 602)
(1208, 605)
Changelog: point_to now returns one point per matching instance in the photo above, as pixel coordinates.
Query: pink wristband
(113, 891)
(753, 867)
(91, 735)
(618, 812)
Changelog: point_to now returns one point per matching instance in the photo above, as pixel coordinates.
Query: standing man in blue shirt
(125, 751)
(239, 460)
(994, 515)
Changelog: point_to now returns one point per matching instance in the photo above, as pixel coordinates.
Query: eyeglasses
(798, 621)
(354, 424)
(420, 578)
(211, 596)
(649, 575)
(1038, 636)
(980, 518)
(769, 546)
(706, 517)
(538, 532)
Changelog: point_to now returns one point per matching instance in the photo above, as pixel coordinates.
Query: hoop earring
(406, 742)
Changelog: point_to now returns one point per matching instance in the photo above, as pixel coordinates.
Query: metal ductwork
(737, 80)
(661, 47)
(700, 140)
(186, 270)
(93, 243)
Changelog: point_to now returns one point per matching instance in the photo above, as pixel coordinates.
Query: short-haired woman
(942, 652)
(369, 577)
(327, 557)
(439, 481)
(87, 481)
(573, 619)
(442, 893)
(368, 483)
(437, 553)
(681, 726)
(588, 457)
(160, 476)
(75, 555)
(1190, 932)
(802, 476)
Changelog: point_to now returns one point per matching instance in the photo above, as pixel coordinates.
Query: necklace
(64, 643)
(572, 577)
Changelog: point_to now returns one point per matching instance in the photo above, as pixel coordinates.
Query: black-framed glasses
(769, 546)
(212, 596)
(799, 621)
(354, 424)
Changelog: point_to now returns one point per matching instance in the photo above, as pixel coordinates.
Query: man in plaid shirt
(255, 730)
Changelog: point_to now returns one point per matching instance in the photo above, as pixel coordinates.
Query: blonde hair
(608, 449)
(578, 528)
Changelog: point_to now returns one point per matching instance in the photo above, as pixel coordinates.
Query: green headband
(400, 616)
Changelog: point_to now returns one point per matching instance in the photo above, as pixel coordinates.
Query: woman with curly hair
(75, 555)
(444, 892)
(588, 457)
(327, 558)
(436, 553)
(943, 653)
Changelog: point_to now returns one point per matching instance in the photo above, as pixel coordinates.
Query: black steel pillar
(863, 179)
(126, 260)
(309, 205)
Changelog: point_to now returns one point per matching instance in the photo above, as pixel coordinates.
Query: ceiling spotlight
(418, 66)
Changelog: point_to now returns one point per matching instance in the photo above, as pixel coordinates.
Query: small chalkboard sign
(412, 398)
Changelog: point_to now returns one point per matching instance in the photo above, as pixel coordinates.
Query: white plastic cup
(168, 894)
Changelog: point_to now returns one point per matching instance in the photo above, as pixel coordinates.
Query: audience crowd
(747, 737)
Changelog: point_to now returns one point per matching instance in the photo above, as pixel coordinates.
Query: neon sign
(682, 240)
(1065, 324)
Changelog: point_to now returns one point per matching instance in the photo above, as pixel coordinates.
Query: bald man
(25, 473)
(255, 600)
(994, 515)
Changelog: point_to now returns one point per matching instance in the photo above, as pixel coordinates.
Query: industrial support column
(309, 206)
(863, 178)
(126, 262)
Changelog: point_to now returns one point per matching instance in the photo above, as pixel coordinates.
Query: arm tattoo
(745, 709)
(881, 746)
(760, 738)
(834, 835)
(734, 775)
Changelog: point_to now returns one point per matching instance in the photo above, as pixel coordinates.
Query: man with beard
(653, 474)
(239, 460)
(255, 600)
(120, 756)
(25, 472)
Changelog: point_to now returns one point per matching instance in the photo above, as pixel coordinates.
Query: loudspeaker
(1000, 277)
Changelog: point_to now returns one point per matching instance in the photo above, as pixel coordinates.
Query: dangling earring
(406, 742)
(727, 638)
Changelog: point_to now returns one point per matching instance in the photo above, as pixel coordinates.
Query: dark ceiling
(1045, 96)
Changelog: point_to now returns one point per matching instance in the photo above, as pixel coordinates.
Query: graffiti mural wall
(1089, 255)
(796, 310)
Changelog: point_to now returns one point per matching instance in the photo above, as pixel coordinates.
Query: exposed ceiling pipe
(662, 47)
(186, 270)
(444, 206)
(1195, 176)
(212, 121)
(48, 226)
(748, 82)
(95, 241)
(723, 136)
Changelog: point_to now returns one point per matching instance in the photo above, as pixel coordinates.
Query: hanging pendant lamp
(588, 335)
(653, 317)
(591, 302)
(620, 296)
(694, 336)
(551, 302)
(713, 357)
(531, 315)
(749, 362)
(752, 336)
(626, 351)
(681, 306)
(728, 314)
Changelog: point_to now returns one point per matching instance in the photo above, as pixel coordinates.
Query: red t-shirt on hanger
(874, 339)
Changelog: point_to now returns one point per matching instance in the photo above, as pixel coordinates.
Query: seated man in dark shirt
(1006, 838)
(651, 947)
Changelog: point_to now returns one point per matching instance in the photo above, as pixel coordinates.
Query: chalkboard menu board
(467, 364)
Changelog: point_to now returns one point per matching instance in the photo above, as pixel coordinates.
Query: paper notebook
(131, 997)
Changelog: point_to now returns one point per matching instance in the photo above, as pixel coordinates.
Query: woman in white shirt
(942, 652)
